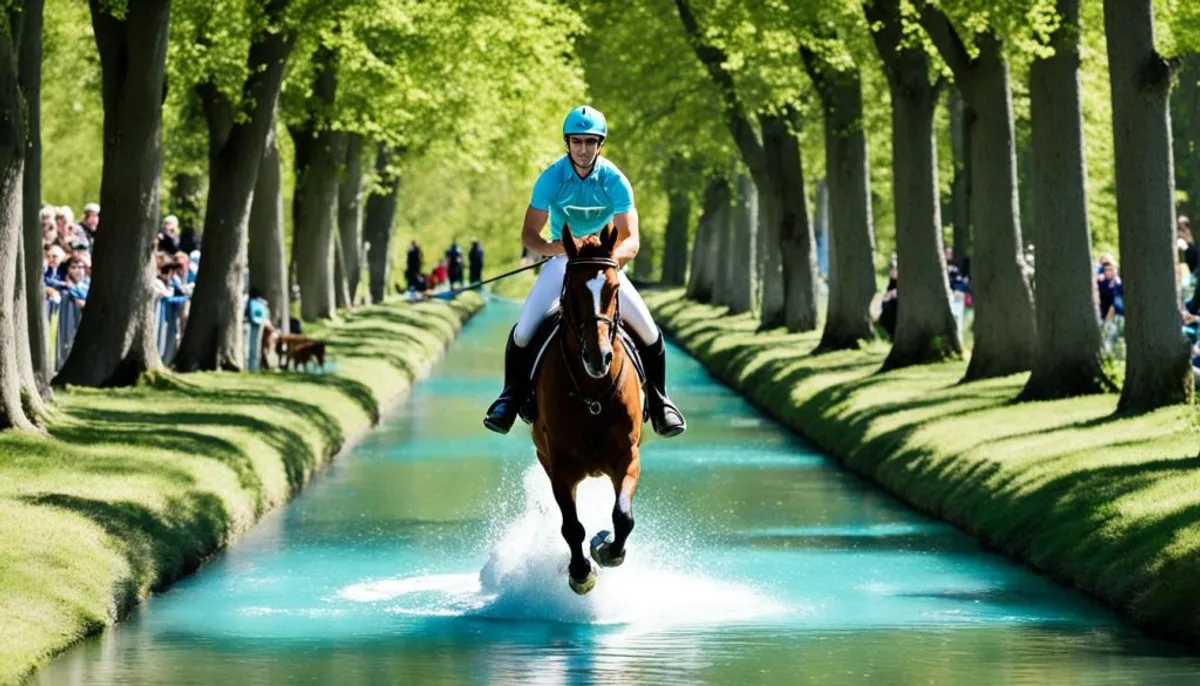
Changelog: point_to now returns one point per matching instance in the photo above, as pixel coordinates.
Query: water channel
(430, 554)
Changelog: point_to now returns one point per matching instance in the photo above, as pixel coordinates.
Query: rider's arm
(627, 236)
(531, 234)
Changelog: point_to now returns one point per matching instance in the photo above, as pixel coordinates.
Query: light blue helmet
(585, 120)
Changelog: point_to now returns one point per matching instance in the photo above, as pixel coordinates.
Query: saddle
(546, 335)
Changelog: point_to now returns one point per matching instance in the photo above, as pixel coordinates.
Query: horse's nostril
(608, 357)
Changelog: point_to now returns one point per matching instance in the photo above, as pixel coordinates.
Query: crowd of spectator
(446, 275)
(67, 273)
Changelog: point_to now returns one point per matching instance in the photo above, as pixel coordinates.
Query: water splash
(524, 577)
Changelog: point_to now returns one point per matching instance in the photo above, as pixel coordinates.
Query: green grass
(1106, 503)
(133, 488)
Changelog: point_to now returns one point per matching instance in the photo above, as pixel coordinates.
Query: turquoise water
(430, 554)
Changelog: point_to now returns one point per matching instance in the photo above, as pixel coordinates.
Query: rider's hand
(554, 248)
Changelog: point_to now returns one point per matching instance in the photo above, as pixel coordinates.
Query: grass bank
(1108, 504)
(133, 488)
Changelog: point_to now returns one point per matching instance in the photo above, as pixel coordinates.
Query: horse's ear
(608, 238)
(569, 244)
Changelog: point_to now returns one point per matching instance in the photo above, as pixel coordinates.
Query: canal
(430, 554)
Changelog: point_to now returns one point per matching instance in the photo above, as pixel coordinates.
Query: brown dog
(299, 350)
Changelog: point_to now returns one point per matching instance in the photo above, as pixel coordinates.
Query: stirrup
(501, 421)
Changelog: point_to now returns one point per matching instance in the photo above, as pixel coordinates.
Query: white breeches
(542, 301)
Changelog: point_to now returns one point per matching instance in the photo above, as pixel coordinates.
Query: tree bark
(740, 264)
(1158, 370)
(213, 337)
(852, 235)
(723, 242)
(13, 389)
(268, 263)
(319, 151)
(377, 225)
(341, 288)
(960, 186)
(30, 75)
(116, 338)
(706, 252)
(789, 287)
(1068, 356)
(795, 251)
(350, 215)
(1005, 330)
(675, 239)
(925, 327)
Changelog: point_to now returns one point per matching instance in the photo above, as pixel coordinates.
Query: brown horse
(589, 420)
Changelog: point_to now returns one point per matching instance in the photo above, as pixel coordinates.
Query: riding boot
(664, 415)
(517, 361)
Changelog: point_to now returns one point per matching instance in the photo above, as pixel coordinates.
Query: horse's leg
(608, 549)
(580, 575)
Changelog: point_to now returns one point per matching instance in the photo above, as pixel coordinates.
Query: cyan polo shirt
(587, 204)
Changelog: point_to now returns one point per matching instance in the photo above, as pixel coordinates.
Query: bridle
(594, 405)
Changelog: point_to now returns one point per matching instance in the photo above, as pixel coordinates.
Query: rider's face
(584, 149)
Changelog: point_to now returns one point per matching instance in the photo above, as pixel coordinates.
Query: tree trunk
(794, 251)
(15, 385)
(675, 239)
(1185, 122)
(116, 338)
(1068, 356)
(741, 255)
(722, 246)
(1158, 370)
(852, 235)
(268, 263)
(377, 225)
(960, 187)
(925, 327)
(1005, 331)
(30, 75)
(213, 337)
(319, 151)
(350, 215)
(706, 252)
(341, 288)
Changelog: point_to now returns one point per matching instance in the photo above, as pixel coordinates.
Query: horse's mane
(590, 246)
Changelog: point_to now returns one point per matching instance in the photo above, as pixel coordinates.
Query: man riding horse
(586, 192)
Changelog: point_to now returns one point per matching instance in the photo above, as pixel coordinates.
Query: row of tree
(357, 85)
(766, 69)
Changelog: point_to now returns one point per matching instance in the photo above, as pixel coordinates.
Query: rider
(586, 191)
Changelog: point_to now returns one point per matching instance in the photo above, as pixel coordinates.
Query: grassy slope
(1108, 504)
(136, 487)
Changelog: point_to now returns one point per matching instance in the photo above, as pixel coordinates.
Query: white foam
(524, 577)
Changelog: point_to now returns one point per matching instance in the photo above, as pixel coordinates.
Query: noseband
(594, 405)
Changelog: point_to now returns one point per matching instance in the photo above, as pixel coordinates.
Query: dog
(299, 350)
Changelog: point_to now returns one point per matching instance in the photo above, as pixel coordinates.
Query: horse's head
(589, 300)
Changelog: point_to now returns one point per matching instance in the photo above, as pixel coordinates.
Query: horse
(588, 394)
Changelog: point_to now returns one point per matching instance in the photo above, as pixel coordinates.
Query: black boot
(503, 412)
(667, 419)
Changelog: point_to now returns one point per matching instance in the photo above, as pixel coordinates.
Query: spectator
(439, 275)
(69, 233)
(168, 238)
(49, 232)
(475, 260)
(50, 276)
(454, 264)
(1111, 292)
(77, 285)
(890, 304)
(414, 270)
(1187, 244)
(188, 241)
(91, 221)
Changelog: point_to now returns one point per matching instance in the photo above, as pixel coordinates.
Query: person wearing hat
(91, 220)
(587, 192)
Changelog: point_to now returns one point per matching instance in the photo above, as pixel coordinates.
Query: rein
(594, 405)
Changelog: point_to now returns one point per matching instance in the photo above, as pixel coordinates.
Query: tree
(350, 216)
(29, 40)
(852, 236)
(1068, 359)
(1005, 331)
(238, 129)
(1158, 370)
(379, 220)
(925, 328)
(710, 234)
(786, 221)
(115, 341)
(266, 255)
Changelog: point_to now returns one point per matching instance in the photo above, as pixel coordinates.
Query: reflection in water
(432, 554)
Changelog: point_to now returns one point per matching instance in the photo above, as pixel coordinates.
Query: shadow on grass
(160, 546)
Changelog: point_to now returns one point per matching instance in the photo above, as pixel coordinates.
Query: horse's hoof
(602, 550)
(582, 587)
